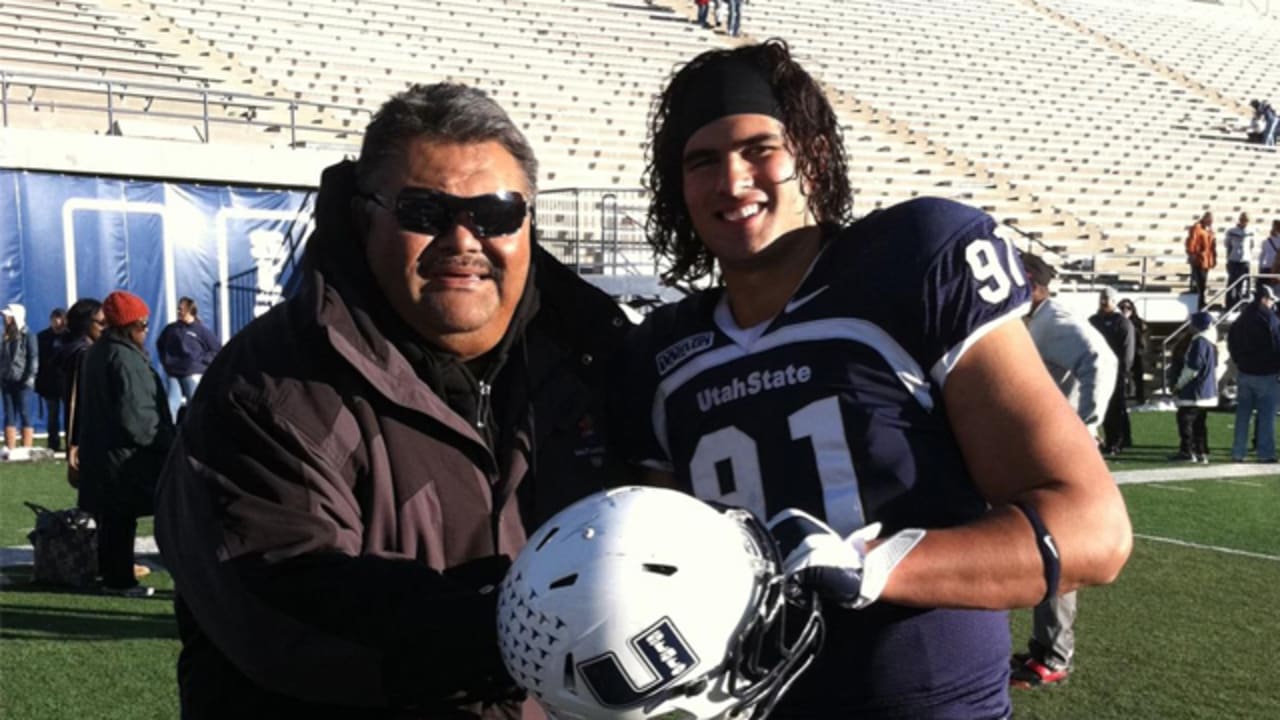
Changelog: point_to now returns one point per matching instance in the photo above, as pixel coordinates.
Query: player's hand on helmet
(816, 558)
(845, 571)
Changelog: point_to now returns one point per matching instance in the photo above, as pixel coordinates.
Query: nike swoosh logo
(1048, 540)
(796, 303)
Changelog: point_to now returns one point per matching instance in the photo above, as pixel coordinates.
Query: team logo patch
(677, 352)
(662, 650)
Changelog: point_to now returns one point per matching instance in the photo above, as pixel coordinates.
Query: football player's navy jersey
(835, 406)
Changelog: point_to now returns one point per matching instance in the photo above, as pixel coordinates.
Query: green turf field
(1184, 634)
(1155, 438)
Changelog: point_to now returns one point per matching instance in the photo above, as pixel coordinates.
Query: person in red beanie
(125, 435)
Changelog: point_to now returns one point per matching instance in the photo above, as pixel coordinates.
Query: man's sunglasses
(431, 212)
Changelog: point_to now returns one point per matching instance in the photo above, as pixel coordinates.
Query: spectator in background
(735, 17)
(337, 515)
(85, 323)
(703, 6)
(1239, 246)
(1254, 344)
(125, 435)
(1196, 389)
(186, 347)
(1269, 259)
(48, 377)
(1141, 335)
(18, 365)
(1264, 122)
(1082, 366)
(1119, 335)
(1202, 255)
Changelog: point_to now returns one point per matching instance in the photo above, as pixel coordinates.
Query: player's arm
(1022, 443)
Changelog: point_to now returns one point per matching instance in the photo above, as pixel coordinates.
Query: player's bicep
(1022, 441)
(1015, 428)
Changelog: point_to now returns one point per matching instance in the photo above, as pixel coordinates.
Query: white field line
(1195, 472)
(1175, 488)
(1213, 548)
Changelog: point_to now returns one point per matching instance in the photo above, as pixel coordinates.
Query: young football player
(862, 372)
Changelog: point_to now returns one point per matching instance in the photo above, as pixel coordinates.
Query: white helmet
(644, 603)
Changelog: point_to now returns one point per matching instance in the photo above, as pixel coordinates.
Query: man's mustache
(433, 264)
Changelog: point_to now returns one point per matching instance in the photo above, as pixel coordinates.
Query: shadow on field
(68, 614)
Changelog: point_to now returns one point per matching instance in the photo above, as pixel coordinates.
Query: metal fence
(596, 231)
(246, 300)
(209, 108)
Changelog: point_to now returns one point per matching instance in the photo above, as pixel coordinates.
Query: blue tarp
(64, 237)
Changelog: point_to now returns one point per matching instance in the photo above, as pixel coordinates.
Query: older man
(337, 515)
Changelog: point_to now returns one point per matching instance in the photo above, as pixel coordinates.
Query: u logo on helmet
(663, 651)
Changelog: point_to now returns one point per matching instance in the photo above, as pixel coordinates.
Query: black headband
(724, 86)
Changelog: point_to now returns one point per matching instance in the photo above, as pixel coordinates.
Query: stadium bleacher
(1093, 127)
(1055, 111)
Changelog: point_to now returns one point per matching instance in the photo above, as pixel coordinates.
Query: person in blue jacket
(186, 347)
(1196, 389)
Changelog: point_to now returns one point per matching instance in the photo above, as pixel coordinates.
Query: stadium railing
(107, 96)
(596, 230)
(1227, 315)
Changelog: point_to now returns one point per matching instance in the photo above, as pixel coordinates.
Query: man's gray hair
(441, 112)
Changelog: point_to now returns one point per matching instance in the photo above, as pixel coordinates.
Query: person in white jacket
(1084, 368)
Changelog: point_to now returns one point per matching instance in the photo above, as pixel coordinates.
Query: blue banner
(64, 237)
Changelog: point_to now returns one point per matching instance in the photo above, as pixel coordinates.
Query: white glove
(840, 570)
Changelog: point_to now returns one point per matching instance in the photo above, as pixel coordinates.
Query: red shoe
(1035, 674)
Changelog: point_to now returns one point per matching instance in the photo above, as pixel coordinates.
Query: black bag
(66, 547)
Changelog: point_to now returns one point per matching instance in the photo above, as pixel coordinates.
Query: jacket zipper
(483, 389)
(483, 410)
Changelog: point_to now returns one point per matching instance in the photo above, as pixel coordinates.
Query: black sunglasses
(431, 212)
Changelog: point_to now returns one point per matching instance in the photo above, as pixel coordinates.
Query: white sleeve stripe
(942, 369)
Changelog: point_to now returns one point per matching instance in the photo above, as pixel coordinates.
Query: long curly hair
(812, 132)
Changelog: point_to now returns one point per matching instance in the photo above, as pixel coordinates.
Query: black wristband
(1048, 550)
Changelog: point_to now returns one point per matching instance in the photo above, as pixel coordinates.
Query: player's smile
(742, 214)
(741, 186)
